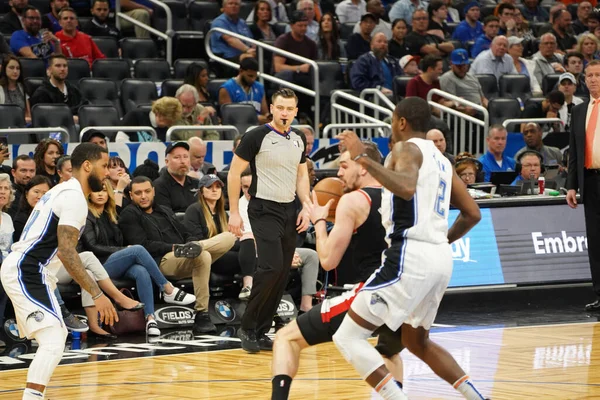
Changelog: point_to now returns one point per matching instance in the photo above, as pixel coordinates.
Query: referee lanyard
(284, 134)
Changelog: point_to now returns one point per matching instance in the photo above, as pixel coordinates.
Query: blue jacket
(481, 44)
(367, 72)
(464, 32)
(490, 165)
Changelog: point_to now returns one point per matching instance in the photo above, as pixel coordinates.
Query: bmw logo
(12, 331)
(225, 310)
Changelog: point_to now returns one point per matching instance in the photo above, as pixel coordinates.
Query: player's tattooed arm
(67, 253)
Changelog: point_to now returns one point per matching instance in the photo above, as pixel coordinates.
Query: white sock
(467, 389)
(389, 390)
(31, 394)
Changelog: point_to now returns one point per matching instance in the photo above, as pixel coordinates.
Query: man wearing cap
(375, 69)
(460, 83)
(350, 11)
(491, 26)
(360, 43)
(175, 190)
(494, 61)
(421, 43)
(532, 11)
(523, 65)
(96, 137)
(376, 8)
(469, 29)
(567, 84)
(410, 65)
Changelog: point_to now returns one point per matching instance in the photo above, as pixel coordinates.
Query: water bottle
(541, 185)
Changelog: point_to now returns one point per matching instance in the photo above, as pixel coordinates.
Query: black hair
(86, 152)
(149, 169)
(249, 64)
(20, 157)
(416, 112)
(556, 96)
(434, 6)
(430, 61)
(140, 179)
(55, 57)
(36, 180)
(397, 20)
(246, 172)
(61, 161)
(490, 18)
(505, 6)
(100, 1)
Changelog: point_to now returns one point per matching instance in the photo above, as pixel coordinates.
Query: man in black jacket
(57, 90)
(157, 229)
(99, 25)
(176, 190)
(12, 21)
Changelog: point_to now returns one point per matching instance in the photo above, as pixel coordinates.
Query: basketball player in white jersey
(416, 268)
(29, 273)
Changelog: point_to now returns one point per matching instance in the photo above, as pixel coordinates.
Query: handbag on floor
(129, 321)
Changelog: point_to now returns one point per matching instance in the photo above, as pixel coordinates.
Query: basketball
(327, 189)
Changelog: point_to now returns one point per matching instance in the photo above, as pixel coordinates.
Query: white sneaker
(179, 297)
(245, 293)
(152, 328)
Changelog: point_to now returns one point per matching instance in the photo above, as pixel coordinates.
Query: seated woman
(468, 168)
(118, 178)
(103, 237)
(33, 192)
(64, 168)
(12, 86)
(329, 45)
(45, 155)
(196, 75)
(206, 219)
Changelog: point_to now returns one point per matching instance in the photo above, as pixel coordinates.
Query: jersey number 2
(439, 203)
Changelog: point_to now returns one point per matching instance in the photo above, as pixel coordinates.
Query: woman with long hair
(103, 237)
(588, 45)
(119, 179)
(196, 75)
(33, 192)
(45, 155)
(438, 12)
(329, 46)
(12, 88)
(397, 46)
(262, 29)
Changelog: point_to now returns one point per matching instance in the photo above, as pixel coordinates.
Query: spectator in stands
(13, 21)
(375, 69)
(329, 45)
(588, 45)
(99, 25)
(102, 237)
(567, 84)
(584, 10)
(96, 137)
(532, 11)
(312, 29)
(420, 85)
(494, 160)
(350, 11)
(593, 21)
(421, 43)
(76, 44)
(491, 25)
(506, 13)
(438, 13)
(51, 21)
(23, 169)
(360, 43)
(34, 190)
(196, 74)
(7, 197)
(29, 42)
(64, 168)
(149, 169)
(405, 9)
(198, 165)
(494, 61)
(119, 179)
(469, 29)
(193, 113)
(206, 218)
(296, 41)
(4, 47)
(157, 229)
(522, 65)
(397, 46)
(226, 46)
(165, 112)
(45, 155)
(140, 10)
(522, 29)
(310, 140)
(574, 63)
(278, 14)
(12, 89)
(547, 59)
(460, 83)
(175, 190)
(438, 139)
(546, 28)
(532, 134)
(467, 168)
(562, 22)
(245, 89)
(375, 7)
(262, 27)
(531, 167)
(409, 65)
(548, 108)
(236, 141)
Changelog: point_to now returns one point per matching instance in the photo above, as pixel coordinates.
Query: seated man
(459, 82)
(350, 11)
(29, 42)
(140, 10)
(227, 46)
(51, 21)
(198, 165)
(532, 134)
(529, 166)
(76, 44)
(561, 24)
(470, 28)
(165, 112)
(491, 25)
(312, 27)
(583, 15)
(245, 89)
(376, 8)
(359, 43)
(420, 85)
(193, 113)
(13, 21)
(375, 69)
(421, 43)
(156, 228)
(494, 160)
(548, 60)
(495, 61)
(549, 108)
(439, 140)
(99, 24)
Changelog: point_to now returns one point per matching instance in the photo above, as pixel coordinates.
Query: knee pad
(51, 345)
(351, 341)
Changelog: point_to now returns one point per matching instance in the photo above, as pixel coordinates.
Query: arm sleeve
(71, 209)
(194, 223)
(17, 41)
(249, 145)
(359, 76)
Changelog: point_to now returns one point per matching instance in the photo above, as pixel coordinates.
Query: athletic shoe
(248, 339)
(73, 323)
(202, 323)
(188, 250)
(152, 328)
(179, 297)
(245, 293)
(265, 343)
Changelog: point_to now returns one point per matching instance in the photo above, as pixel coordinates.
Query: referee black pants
(274, 229)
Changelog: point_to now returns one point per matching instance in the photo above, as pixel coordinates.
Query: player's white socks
(31, 394)
(389, 390)
(467, 389)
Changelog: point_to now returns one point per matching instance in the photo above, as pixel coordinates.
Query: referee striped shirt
(274, 157)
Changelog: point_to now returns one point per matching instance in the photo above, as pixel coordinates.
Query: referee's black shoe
(249, 341)
(595, 306)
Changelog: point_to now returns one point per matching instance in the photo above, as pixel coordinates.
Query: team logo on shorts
(375, 298)
(38, 316)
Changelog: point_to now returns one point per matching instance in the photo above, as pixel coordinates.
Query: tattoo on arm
(67, 253)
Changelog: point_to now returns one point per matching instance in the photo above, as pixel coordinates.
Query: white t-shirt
(243, 208)
(6, 234)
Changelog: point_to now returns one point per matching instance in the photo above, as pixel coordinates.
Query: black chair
(156, 70)
(33, 68)
(51, 115)
(170, 86)
(13, 116)
(78, 69)
(489, 85)
(486, 10)
(135, 92)
(181, 65)
(31, 85)
(108, 45)
(241, 116)
(503, 109)
(213, 87)
(179, 16)
(111, 68)
(515, 86)
(201, 12)
(246, 8)
(330, 77)
(42, 5)
(400, 83)
(346, 30)
(101, 91)
(549, 83)
(133, 48)
(97, 115)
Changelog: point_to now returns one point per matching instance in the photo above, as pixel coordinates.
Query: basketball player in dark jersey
(358, 238)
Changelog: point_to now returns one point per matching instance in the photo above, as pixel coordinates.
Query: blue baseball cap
(459, 57)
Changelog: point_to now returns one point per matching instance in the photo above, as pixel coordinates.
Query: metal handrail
(379, 124)
(361, 102)
(200, 128)
(119, 129)
(261, 46)
(508, 122)
(460, 100)
(377, 96)
(64, 133)
(167, 36)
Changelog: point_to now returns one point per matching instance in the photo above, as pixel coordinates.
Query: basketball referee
(277, 160)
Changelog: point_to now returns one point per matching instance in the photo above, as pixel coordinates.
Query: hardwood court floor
(543, 362)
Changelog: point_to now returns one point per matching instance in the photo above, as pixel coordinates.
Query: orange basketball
(327, 189)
